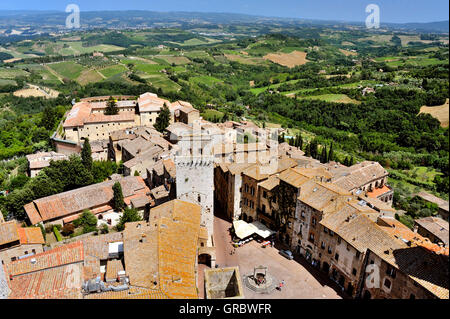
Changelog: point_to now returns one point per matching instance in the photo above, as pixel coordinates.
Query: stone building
(54, 274)
(67, 206)
(365, 177)
(343, 238)
(195, 184)
(86, 119)
(254, 175)
(434, 228)
(228, 188)
(406, 273)
(4, 288)
(40, 160)
(19, 242)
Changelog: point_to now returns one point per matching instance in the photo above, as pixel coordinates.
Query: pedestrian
(280, 286)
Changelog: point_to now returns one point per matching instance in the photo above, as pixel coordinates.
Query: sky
(397, 11)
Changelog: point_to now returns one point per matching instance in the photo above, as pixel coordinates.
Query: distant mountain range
(132, 19)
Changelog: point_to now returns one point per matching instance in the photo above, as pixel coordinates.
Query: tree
(352, 161)
(129, 215)
(346, 161)
(111, 107)
(48, 118)
(330, 153)
(86, 155)
(163, 119)
(104, 229)
(87, 220)
(119, 204)
(307, 150)
(313, 148)
(68, 229)
(101, 170)
(323, 156)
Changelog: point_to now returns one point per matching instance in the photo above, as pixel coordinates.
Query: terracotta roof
(112, 268)
(140, 248)
(149, 102)
(357, 175)
(138, 146)
(77, 200)
(42, 159)
(56, 283)
(293, 177)
(132, 293)
(8, 232)
(78, 114)
(428, 269)
(140, 201)
(319, 195)
(402, 232)
(170, 168)
(260, 172)
(160, 192)
(359, 231)
(270, 183)
(32, 213)
(64, 255)
(376, 192)
(177, 251)
(98, 246)
(30, 235)
(103, 118)
(435, 225)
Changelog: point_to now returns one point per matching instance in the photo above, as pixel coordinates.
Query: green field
(69, 69)
(205, 79)
(113, 70)
(336, 98)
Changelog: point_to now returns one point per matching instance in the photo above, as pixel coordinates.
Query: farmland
(311, 81)
(440, 112)
(290, 60)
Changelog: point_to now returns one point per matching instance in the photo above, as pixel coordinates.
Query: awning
(243, 229)
(262, 230)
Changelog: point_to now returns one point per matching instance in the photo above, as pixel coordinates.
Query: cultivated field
(347, 53)
(35, 91)
(287, 59)
(439, 112)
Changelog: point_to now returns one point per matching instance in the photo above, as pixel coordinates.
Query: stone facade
(195, 184)
(392, 284)
(4, 289)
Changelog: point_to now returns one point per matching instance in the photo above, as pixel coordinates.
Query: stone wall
(195, 184)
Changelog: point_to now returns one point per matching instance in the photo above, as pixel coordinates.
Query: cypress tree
(86, 155)
(163, 119)
(323, 156)
(307, 150)
(111, 108)
(330, 153)
(119, 204)
(313, 148)
(300, 141)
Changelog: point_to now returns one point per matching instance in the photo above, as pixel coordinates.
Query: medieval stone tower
(195, 184)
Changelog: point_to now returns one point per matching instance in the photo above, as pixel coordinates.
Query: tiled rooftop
(64, 255)
(8, 232)
(77, 200)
